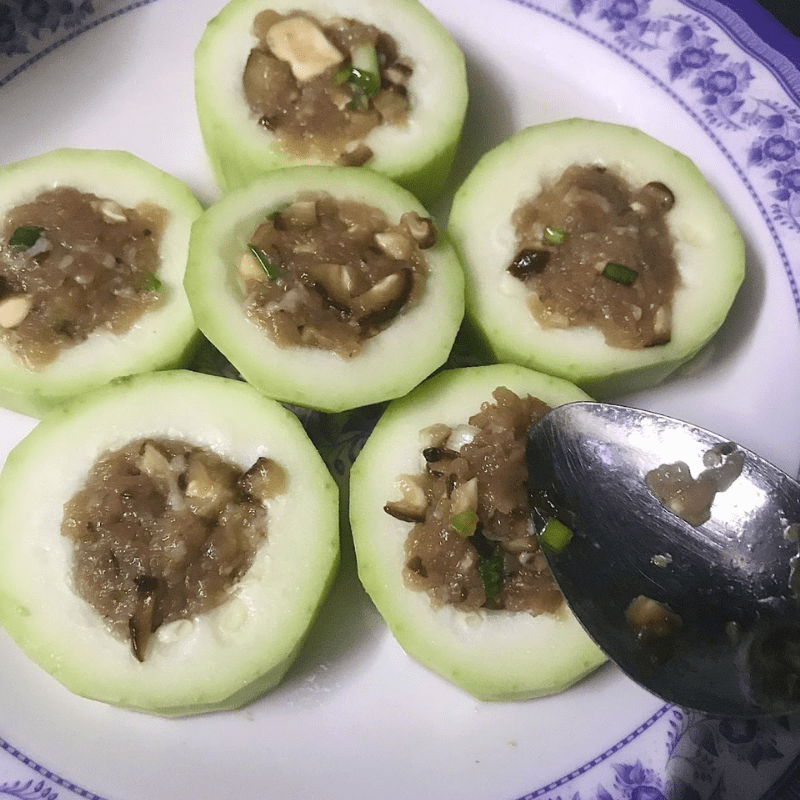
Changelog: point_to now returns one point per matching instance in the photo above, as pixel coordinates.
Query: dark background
(785, 11)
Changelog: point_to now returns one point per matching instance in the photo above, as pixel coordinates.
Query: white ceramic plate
(356, 718)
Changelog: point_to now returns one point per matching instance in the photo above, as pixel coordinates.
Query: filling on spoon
(691, 498)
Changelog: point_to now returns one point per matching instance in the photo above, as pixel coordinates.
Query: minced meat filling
(330, 273)
(321, 87)
(472, 544)
(162, 530)
(72, 263)
(595, 251)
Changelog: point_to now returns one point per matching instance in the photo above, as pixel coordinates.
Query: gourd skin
(709, 251)
(163, 337)
(219, 661)
(418, 156)
(493, 655)
(390, 364)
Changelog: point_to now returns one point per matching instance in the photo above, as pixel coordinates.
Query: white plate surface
(356, 718)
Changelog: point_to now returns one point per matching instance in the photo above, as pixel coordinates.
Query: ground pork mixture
(331, 274)
(72, 263)
(596, 251)
(162, 530)
(472, 544)
(322, 86)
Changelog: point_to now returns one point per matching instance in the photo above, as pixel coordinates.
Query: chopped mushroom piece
(435, 435)
(267, 82)
(304, 46)
(335, 281)
(154, 464)
(300, 214)
(421, 229)
(398, 73)
(394, 244)
(208, 490)
(355, 155)
(649, 618)
(464, 497)
(264, 480)
(144, 621)
(529, 262)
(111, 211)
(659, 194)
(387, 296)
(414, 499)
(249, 268)
(392, 105)
(263, 21)
(14, 309)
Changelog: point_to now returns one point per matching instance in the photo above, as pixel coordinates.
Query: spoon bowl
(721, 597)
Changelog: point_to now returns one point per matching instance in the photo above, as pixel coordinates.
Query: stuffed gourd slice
(187, 536)
(93, 249)
(280, 83)
(438, 503)
(326, 287)
(594, 252)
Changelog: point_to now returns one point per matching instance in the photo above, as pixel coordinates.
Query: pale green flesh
(162, 338)
(494, 655)
(417, 156)
(390, 363)
(709, 251)
(220, 660)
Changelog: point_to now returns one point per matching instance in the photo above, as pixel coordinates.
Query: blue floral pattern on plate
(721, 88)
(31, 29)
(674, 755)
(748, 99)
(37, 19)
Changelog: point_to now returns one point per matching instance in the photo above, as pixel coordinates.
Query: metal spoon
(728, 588)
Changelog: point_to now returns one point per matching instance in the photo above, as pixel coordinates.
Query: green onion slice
(367, 82)
(25, 237)
(491, 570)
(555, 535)
(554, 235)
(464, 523)
(363, 73)
(342, 76)
(272, 271)
(151, 282)
(619, 273)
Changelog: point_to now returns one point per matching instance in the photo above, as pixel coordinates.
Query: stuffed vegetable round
(187, 536)
(595, 252)
(93, 248)
(378, 83)
(445, 547)
(326, 287)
